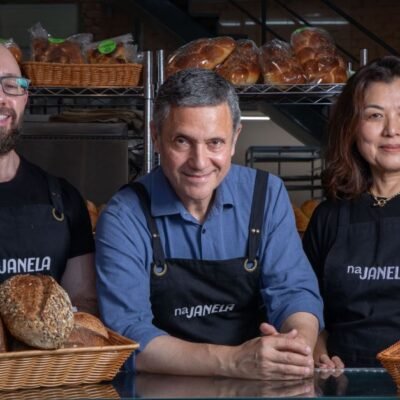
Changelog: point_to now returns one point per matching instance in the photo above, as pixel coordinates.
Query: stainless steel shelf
(86, 92)
(322, 94)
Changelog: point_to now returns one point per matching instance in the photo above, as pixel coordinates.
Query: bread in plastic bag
(316, 51)
(116, 50)
(46, 48)
(242, 66)
(279, 66)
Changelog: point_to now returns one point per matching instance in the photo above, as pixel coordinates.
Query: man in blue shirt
(196, 258)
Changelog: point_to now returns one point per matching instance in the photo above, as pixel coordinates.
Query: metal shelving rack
(308, 94)
(58, 98)
(323, 94)
(290, 154)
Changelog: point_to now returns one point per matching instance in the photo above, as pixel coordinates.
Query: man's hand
(278, 356)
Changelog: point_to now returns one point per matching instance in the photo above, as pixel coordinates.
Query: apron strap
(158, 252)
(257, 213)
(55, 197)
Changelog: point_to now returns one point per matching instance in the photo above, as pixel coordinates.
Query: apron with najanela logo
(361, 289)
(35, 239)
(206, 300)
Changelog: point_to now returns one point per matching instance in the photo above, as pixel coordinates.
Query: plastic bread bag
(204, 53)
(278, 64)
(316, 52)
(242, 66)
(116, 50)
(15, 50)
(47, 48)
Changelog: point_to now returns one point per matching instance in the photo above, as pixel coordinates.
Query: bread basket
(390, 359)
(82, 75)
(70, 366)
(94, 391)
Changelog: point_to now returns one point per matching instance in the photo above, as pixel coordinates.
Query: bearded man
(44, 224)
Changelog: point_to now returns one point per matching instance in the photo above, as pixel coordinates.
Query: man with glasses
(44, 224)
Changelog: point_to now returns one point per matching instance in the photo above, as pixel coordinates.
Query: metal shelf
(322, 94)
(290, 154)
(86, 92)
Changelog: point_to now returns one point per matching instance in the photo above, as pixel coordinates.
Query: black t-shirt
(322, 230)
(30, 186)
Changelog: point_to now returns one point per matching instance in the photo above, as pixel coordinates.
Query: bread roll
(88, 331)
(201, 53)
(242, 66)
(118, 56)
(310, 37)
(3, 337)
(309, 206)
(93, 213)
(279, 66)
(67, 52)
(36, 310)
(301, 219)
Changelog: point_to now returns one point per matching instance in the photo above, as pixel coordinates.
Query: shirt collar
(164, 200)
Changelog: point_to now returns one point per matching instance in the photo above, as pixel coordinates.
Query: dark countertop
(366, 383)
(358, 383)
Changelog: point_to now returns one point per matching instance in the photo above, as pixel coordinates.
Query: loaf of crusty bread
(316, 52)
(88, 331)
(201, 53)
(36, 310)
(279, 66)
(3, 337)
(242, 66)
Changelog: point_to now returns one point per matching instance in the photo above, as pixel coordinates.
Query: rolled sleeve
(289, 284)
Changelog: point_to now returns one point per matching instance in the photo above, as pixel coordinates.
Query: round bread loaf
(242, 66)
(204, 53)
(36, 310)
(88, 331)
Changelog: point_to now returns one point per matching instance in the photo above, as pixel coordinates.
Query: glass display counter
(348, 383)
(355, 383)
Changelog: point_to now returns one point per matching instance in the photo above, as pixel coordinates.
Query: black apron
(35, 239)
(362, 289)
(209, 301)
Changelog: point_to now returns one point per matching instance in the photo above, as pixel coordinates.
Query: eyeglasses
(14, 85)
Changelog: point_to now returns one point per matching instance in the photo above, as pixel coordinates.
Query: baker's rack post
(148, 111)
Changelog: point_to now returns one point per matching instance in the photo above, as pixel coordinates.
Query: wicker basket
(95, 391)
(390, 359)
(82, 75)
(72, 366)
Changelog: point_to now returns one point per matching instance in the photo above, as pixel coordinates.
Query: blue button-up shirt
(124, 253)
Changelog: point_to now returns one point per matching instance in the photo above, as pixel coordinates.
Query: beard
(9, 137)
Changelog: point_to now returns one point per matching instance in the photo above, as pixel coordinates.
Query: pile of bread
(76, 49)
(303, 214)
(36, 313)
(310, 57)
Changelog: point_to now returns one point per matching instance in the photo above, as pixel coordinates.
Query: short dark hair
(348, 174)
(195, 87)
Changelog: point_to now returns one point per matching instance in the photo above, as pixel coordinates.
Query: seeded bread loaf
(36, 310)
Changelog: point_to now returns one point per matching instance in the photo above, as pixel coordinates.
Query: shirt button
(203, 230)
